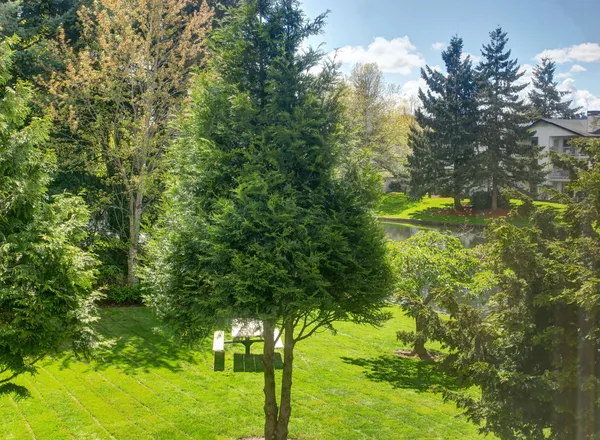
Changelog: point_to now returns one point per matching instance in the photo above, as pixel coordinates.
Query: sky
(402, 36)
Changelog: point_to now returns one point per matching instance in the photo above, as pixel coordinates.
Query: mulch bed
(408, 354)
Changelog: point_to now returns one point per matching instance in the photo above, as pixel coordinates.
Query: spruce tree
(545, 99)
(448, 118)
(264, 217)
(504, 139)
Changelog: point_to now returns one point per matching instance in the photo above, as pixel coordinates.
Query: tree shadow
(252, 363)
(134, 352)
(404, 373)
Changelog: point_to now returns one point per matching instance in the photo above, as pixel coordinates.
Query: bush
(125, 295)
(483, 200)
(396, 186)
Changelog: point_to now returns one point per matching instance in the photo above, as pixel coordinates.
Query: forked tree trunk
(285, 403)
(269, 378)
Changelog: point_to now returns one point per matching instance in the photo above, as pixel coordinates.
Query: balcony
(559, 175)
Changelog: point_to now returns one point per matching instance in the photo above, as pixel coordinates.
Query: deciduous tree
(117, 95)
(432, 272)
(265, 219)
(380, 124)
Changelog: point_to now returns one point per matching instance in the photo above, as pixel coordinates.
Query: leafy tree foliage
(534, 352)
(46, 297)
(115, 99)
(444, 152)
(506, 151)
(265, 218)
(432, 272)
(545, 99)
(380, 124)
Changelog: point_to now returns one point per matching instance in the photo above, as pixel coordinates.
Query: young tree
(432, 271)
(264, 217)
(545, 99)
(116, 97)
(448, 119)
(46, 297)
(504, 136)
(381, 125)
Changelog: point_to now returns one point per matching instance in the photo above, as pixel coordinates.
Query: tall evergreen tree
(265, 219)
(505, 140)
(448, 118)
(533, 351)
(46, 296)
(545, 99)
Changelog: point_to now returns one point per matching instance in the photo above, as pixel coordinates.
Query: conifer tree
(264, 217)
(46, 296)
(448, 118)
(504, 139)
(545, 99)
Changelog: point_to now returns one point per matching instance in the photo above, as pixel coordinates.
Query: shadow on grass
(404, 372)
(134, 349)
(252, 363)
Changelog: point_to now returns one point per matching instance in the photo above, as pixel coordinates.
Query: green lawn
(398, 205)
(347, 386)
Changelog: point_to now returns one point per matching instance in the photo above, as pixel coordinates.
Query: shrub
(483, 200)
(396, 186)
(125, 295)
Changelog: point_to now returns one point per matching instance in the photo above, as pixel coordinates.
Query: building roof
(575, 126)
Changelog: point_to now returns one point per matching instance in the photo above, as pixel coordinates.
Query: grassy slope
(347, 386)
(397, 205)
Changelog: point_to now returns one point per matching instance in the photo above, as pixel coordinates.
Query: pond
(469, 236)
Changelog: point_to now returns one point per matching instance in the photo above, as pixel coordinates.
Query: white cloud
(585, 52)
(578, 68)
(409, 93)
(564, 75)
(393, 56)
(474, 58)
(581, 98)
(440, 45)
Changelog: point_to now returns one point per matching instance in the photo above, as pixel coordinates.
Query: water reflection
(469, 237)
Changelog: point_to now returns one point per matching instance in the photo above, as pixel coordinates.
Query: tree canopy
(545, 99)
(265, 217)
(444, 145)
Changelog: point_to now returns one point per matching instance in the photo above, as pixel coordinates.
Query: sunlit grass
(346, 386)
(398, 205)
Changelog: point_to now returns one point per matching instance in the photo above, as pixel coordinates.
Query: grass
(399, 206)
(346, 386)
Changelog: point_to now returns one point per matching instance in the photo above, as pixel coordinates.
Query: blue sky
(401, 36)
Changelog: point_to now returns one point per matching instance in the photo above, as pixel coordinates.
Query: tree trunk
(269, 377)
(457, 204)
(494, 194)
(285, 403)
(419, 347)
(135, 221)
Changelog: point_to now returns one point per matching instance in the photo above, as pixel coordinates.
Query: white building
(555, 134)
